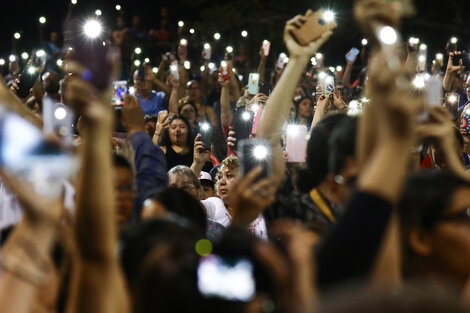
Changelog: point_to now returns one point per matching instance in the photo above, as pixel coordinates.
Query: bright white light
(244, 33)
(339, 68)
(439, 56)
(202, 68)
(59, 62)
(92, 29)
(24, 56)
(183, 42)
(207, 46)
(422, 58)
(332, 69)
(187, 65)
(313, 60)
(229, 49)
(192, 31)
(98, 12)
(211, 66)
(223, 64)
(329, 80)
(40, 53)
(413, 41)
(454, 40)
(452, 99)
(118, 7)
(322, 75)
(12, 58)
(292, 130)
(31, 70)
(205, 127)
(180, 23)
(137, 63)
(147, 60)
(132, 90)
(365, 100)
(318, 56)
(388, 35)
(246, 116)
(2, 61)
(216, 36)
(329, 16)
(17, 35)
(155, 70)
(260, 152)
(138, 50)
(42, 20)
(364, 42)
(60, 113)
(419, 82)
(286, 60)
(73, 1)
(254, 107)
(423, 47)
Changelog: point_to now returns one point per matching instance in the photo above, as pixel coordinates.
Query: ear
(420, 241)
(333, 189)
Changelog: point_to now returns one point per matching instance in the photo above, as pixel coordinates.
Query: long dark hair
(297, 102)
(165, 140)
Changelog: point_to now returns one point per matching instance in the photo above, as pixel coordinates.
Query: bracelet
(25, 261)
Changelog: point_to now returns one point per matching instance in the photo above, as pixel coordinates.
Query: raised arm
(451, 71)
(99, 285)
(175, 95)
(278, 105)
(226, 114)
(262, 67)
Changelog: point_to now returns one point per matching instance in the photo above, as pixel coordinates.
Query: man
(193, 95)
(151, 102)
(51, 85)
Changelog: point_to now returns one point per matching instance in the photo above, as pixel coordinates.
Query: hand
(338, 102)
(259, 98)
(232, 140)
(249, 197)
(224, 82)
(295, 49)
(322, 103)
(451, 68)
(370, 12)
(15, 85)
(132, 115)
(201, 154)
(162, 122)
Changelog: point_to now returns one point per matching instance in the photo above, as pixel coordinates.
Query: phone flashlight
(453, 40)
(419, 82)
(328, 16)
(92, 29)
(12, 58)
(387, 35)
(364, 42)
(2, 61)
(183, 42)
(292, 130)
(205, 126)
(40, 53)
(229, 49)
(246, 116)
(452, 98)
(187, 65)
(260, 152)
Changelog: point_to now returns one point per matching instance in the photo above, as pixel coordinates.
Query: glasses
(462, 216)
(185, 187)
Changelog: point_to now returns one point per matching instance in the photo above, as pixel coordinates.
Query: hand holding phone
(265, 47)
(242, 123)
(352, 55)
(296, 143)
(317, 23)
(225, 70)
(174, 70)
(253, 83)
(253, 153)
(206, 132)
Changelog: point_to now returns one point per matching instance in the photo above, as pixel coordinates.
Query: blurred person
(137, 29)
(304, 111)
(150, 124)
(193, 94)
(152, 102)
(51, 85)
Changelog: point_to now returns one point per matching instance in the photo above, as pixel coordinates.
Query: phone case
(206, 137)
(225, 71)
(257, 119)
(248, 161)
(242, 127)
(352, 54)
(313, 28)
(253, 83)
(296, 144)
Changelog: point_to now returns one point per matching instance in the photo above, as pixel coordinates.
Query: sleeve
(150, 166)
(349, 251)
(163, 104)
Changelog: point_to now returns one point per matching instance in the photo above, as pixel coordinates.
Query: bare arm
(347, 73)
(174, 96)
(262, 67)
(451, 71)
(226, 114)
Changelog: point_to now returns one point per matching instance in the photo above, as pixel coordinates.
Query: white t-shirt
(216, 211)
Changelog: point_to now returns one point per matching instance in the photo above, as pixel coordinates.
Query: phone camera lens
(321, 21)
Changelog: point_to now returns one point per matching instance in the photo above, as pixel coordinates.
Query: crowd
(190, 187)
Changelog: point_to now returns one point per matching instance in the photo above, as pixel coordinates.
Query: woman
(303, 110)
(176, 142)
(189, 111)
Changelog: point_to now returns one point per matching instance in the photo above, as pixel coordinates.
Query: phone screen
(352, 54)
(120, 91)
(243, 123)
(58, 120)
(28, 78)
(226, 278)
(25, 153)
(296, 143)
(206, 130)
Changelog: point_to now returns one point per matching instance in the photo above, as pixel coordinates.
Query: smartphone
(225, 70)
(253, 153)
(296, 143)
(422, 58)
(28, 155)
(282, 60)
(226, 278)
(207, 51)
(91, 53)
(242, 123)
(207, 131)
(253, 83)
(452, 101)
(465, 57)
(327, 84)
(118, 127)
(58, 120)
(28, 78)
(120, 91)
(174, 70)
(266, 46)
(314, 26)
(352, 54)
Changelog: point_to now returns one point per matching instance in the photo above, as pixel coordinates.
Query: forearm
(235, 88)
(174, 97)
(347, 74)
(95, 223)
(262, 69)
(196, 167)
(318, 116)
(162, 86)
(226, 114)
(447, 81)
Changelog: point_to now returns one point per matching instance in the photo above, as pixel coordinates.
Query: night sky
(436, 20)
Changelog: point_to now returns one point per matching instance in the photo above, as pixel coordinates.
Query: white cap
(205, 176)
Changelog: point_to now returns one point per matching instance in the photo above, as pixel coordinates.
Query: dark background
(435, 22)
